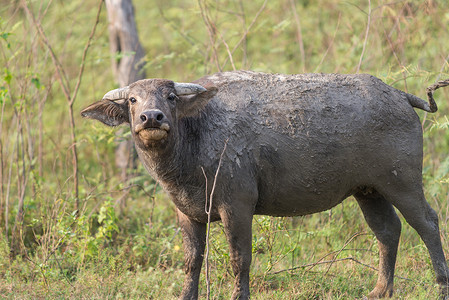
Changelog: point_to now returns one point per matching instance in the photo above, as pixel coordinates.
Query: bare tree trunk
(124, 42)
(127, 64)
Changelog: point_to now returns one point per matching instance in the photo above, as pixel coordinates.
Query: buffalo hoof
(236, 295)
(380, 292)
(444, 292)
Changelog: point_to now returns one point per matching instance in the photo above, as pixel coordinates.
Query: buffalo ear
(111, 113)
(192, 105)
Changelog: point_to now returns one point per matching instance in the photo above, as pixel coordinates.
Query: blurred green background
(70, 227)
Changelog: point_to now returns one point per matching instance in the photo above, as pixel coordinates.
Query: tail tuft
(430, 90)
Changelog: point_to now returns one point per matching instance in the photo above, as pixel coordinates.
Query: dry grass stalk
(65, 85)
(366, 36)
(208, 209)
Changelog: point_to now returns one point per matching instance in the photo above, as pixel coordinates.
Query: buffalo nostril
(152, 117)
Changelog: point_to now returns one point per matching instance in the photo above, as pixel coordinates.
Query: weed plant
(71, 228)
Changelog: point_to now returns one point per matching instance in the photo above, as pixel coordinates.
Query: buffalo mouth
(153, 133)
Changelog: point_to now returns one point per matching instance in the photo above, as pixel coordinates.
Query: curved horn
(117, 94)
(188, 89)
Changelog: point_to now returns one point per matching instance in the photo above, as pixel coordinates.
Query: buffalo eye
(172, 97)
(132, 100)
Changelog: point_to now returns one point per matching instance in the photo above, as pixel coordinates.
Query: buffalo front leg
(384, 222)
(237, 222)
(194, 240)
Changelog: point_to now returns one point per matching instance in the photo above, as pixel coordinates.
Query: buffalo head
(152, 107)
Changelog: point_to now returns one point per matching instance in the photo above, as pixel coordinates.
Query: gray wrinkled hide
(296, 145)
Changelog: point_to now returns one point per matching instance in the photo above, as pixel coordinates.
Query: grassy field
(71, 228)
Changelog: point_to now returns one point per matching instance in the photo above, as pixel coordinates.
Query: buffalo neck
(196, 143)
(171, 165)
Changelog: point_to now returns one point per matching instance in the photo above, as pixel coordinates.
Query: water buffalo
(296, 145)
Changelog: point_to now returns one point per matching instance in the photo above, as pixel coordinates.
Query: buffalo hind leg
(418, 213)
(384, 222)
(194, 241)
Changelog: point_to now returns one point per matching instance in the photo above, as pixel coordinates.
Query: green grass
(124, 243)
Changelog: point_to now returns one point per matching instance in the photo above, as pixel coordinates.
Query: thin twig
(445, 64)
(404, 75)
(344, 246)
(322, 263)
(62, 271)
(8, 190)
(66, 87)
(59, 69)
(166, 246)
(366, 36)
(390, 43)
(299, 35)
(72, 100)
(191, 40)
(330, 45)
(83, 59)
(22, 180)
(245, 43)
(227, 49)
(210, 31)
(337, 260)
(47, 287)
(208, 212)
(243, 38)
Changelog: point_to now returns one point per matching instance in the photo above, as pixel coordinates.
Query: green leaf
(4, 36)
(3, 94)
(7, 77)
(37, 83)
